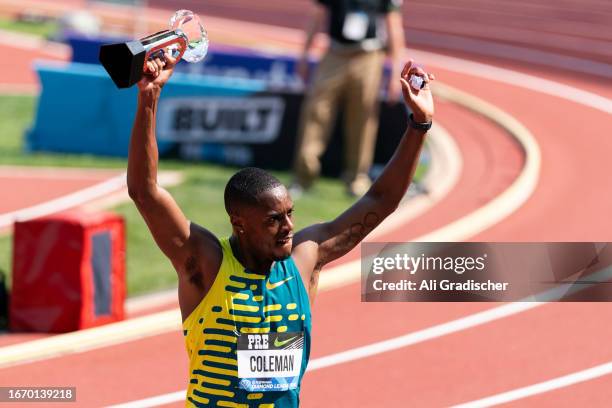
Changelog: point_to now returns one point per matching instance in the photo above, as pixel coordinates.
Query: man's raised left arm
(320, 244)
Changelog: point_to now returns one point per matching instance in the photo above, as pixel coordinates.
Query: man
(349, 75)
(245, 300)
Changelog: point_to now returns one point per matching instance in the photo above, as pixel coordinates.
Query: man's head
(260, 211)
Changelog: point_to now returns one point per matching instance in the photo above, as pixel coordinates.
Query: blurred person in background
(362, 33)
(246, 299)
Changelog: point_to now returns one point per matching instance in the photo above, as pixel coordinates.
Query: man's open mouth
(285, 240)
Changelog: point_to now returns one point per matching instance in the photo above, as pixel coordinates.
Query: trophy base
(124, 62)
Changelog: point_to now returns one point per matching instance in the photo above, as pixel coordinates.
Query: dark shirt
(372, 10)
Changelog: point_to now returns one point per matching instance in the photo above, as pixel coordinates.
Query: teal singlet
(249, 338)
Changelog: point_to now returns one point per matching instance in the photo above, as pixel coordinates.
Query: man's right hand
(158, 72)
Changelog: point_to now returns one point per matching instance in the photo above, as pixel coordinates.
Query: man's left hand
(420, 101)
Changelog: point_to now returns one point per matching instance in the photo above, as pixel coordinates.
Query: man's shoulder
(204, 236)
(206, 248)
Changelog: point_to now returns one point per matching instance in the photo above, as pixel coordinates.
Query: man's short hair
(244, 187)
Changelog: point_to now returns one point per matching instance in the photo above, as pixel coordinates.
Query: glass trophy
(185, 39)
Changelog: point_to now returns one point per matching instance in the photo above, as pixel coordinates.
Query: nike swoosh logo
(271, 286)
(282, 343)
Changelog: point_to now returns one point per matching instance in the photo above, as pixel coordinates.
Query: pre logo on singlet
(270, 361)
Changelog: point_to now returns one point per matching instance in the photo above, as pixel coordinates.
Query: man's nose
(288, 224)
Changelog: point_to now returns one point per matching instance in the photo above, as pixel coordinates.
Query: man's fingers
(406, 88)
(152, 69)
(170, 60)
(160, 63)
(407, 68)
(418, 71)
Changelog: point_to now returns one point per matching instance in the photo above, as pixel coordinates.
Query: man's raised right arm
(182, 242)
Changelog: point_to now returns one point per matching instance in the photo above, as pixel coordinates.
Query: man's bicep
(341, 235)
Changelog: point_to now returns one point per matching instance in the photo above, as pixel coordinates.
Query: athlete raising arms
(245, 300)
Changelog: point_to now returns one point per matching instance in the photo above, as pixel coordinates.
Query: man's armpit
(194, 272)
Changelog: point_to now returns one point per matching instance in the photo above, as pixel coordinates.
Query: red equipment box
(68, 272)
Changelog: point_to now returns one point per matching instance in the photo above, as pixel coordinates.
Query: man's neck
(248, 259)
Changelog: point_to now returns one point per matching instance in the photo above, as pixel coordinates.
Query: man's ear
(237, 223)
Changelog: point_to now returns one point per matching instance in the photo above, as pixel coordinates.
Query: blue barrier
(85, 49)
(81, 111)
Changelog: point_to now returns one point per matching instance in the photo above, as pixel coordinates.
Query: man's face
(268, 227)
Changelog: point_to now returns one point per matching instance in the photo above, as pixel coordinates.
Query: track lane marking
(65, 202)
(518, 79)
(540, 388)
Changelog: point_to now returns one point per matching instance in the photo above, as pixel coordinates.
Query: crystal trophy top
(197, 39)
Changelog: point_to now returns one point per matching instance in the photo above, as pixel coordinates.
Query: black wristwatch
(419, 125)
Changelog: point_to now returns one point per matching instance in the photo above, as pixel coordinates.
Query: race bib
(270, 361)
(355, 26)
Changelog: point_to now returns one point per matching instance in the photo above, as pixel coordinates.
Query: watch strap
(419, 125)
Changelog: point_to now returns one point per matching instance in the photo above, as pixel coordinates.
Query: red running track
(492, 155)
(549, 341)
(26, 187)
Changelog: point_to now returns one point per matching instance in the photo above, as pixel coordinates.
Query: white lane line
(65, 202)
(512, 52)
(553, 384)
(55, 173)
(142, 303)
(154, 401)
(420, 336)
(88, 339)
(517, 79)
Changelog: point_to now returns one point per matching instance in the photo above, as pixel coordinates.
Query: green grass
(200, 197)
(43, 29)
